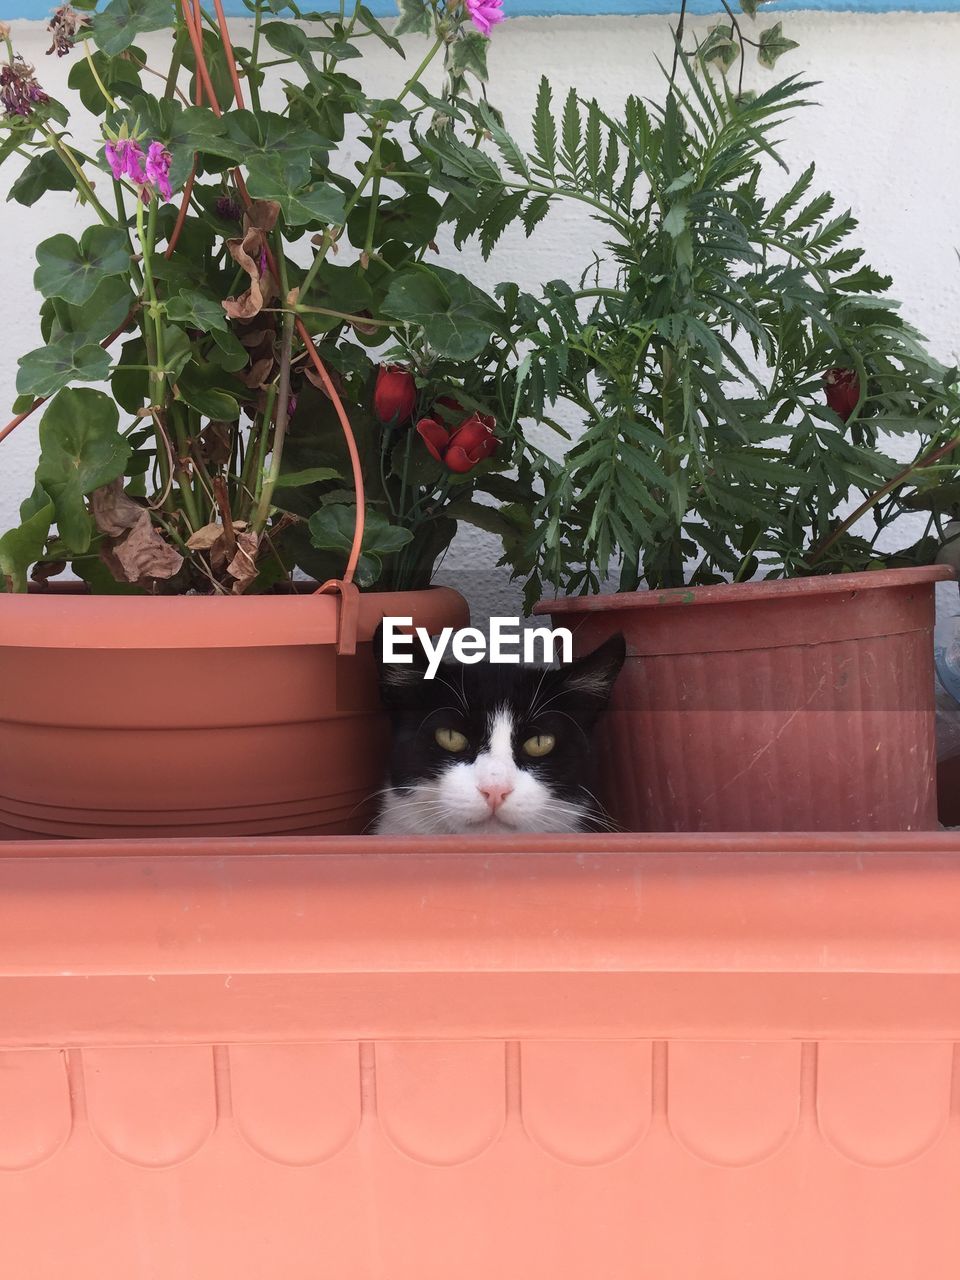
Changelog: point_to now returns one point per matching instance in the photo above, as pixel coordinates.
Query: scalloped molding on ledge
(625, 1057)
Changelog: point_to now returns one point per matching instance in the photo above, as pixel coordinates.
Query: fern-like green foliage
(695, 345)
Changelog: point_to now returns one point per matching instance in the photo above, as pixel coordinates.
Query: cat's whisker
(476, 779)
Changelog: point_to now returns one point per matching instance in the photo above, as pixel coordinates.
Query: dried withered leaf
(312, 376)
(143, 554)
(216, 443)
(263, 214)
(258, 374)
(243, 566)
(254, 337)
(47, 569)
(205, 537)
(113, 511)
(250, 255)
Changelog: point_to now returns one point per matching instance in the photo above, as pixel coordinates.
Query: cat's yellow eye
(539, 745)
(450, 740)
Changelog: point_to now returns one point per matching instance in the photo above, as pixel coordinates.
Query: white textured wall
(884, 138)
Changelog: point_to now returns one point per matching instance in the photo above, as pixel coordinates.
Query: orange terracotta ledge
(664, 1057)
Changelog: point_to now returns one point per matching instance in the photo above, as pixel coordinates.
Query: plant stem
(70, 160)
(251, 478)
(254, 51)
(96, 75)
(262, 514)
(368, 173)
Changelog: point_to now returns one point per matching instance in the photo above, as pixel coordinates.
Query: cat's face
(492, 749)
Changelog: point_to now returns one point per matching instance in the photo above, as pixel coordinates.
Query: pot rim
(766, 590)
(68, 620)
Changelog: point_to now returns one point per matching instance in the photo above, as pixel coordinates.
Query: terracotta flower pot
(798, 705)
(128, 716)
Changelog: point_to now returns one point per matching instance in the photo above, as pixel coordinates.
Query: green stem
(96, 75)
(368, 173)
(70, 160)
(262, 514)
(258, 456)
(374, 196)
(254, 52)
(176, 60)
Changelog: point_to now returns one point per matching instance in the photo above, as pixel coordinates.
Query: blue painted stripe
(10, 9)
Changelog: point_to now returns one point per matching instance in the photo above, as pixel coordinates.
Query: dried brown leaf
(113, 511)
(243, 566)
(144, 555)
(249, 253)
(216, 443)
(47, 569)
(263, 214)
(204, 538)
(258, 374)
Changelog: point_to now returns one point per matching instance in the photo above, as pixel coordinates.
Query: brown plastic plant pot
(185, 715)
(798, 705)
(634, 1057)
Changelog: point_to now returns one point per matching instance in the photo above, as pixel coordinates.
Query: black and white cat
(490, 749)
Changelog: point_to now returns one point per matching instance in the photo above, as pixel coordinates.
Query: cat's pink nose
(495, 793)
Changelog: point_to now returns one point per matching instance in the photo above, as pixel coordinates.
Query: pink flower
(125, 157)
(158, 168)
(150, 172)
(485, 14)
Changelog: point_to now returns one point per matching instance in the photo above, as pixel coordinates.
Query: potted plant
(274, 343)
(740, 371)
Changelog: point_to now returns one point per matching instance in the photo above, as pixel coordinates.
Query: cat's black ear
(592, 677)
(399, 680)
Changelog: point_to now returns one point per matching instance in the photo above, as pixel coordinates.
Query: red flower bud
(462, 448)
(395, 395)
(843, 391)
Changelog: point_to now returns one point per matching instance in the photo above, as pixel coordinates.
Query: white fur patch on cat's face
(490, 795)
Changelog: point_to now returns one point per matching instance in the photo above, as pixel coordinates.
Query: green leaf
(415, 16)
(123, 20)
(294, 41)
(44, 172)
(544, 127)
(22, 547)
(456, 317)
(676, 220)
(196, 310)
(572, 132)
(773, 44)
(70, 359)
(120, 77)
(720, 46)
(97, 318)
(80, 450)
(309, 475)
(469, 54)
(331, 529)
(490, 519)
(749, 7)
(371, 23)
(202, 389)
(270, 179)
(73, 271)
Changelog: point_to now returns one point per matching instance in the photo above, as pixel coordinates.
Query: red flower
(843, 391)
(395, 395)
(463, 447)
